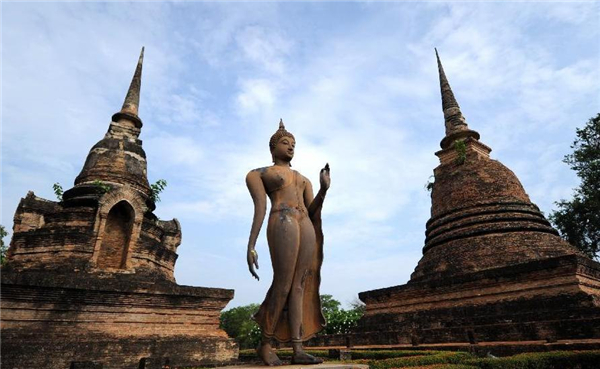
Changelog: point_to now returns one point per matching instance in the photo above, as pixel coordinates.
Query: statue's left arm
(315, 204)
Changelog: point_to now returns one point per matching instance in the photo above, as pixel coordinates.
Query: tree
(578, 220)
(358, 306)
(3, 247)
(340, 321)
(329, 304)
(238, 324)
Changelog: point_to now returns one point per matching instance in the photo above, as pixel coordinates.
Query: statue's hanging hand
(252, 258)
(325, 179)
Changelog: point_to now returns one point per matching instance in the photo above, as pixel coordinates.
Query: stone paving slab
(318, 366)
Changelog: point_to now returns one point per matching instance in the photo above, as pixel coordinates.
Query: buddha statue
(291, 311)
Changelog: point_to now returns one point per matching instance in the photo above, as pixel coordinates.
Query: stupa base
(549, 300)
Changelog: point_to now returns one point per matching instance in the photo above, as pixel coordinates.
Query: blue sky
(355, 82)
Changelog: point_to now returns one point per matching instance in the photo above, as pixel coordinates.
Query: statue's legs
(292, 245)
(283, 236)
(306, 255)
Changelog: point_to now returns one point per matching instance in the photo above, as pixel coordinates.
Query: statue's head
(282, 143)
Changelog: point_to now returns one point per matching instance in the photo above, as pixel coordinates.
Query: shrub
(543, 360)
(156, 188)
(461, 150)
(445, 366)
(58, 191)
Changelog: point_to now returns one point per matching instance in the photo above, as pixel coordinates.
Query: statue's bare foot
(302, 357)
(268, 355)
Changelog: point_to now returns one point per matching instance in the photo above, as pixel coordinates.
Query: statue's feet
(302, 357)
(268, 355)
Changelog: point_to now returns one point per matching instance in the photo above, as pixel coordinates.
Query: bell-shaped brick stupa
(493, 268)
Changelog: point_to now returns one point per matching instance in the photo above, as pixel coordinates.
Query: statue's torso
(285, 187)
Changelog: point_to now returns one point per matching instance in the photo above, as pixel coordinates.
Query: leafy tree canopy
(329, 304)
(340, 321)
(578, 220)
(238, 323)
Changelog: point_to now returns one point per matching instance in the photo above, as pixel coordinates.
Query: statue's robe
(275, 324)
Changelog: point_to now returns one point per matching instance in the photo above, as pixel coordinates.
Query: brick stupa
(89, 281)
(493, 268)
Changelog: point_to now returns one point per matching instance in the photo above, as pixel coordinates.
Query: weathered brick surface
(49, 320)
(70, 235)
(482, 218)
(60, 351)
(116, 160)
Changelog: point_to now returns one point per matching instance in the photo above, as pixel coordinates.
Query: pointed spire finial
(281, 126)
(132, 100)
(452, 115)
(453, 118)
(131, 104)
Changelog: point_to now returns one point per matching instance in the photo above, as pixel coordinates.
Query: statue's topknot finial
(281, 132)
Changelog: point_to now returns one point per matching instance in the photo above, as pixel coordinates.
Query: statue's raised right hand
(325, 178)
(252, 258)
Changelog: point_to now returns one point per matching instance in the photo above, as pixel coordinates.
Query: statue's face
(285, 148)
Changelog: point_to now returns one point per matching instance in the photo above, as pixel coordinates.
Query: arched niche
(119, 194)
(116, 237)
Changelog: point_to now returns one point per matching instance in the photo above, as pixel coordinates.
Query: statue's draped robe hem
(313, 320)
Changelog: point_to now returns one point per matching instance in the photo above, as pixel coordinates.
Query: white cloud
(574, 13)
(176, 150)
(256, 95)
(265, 47)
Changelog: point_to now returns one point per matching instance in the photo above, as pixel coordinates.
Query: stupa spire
(455, 122)
(132, 100)
(452, 115)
